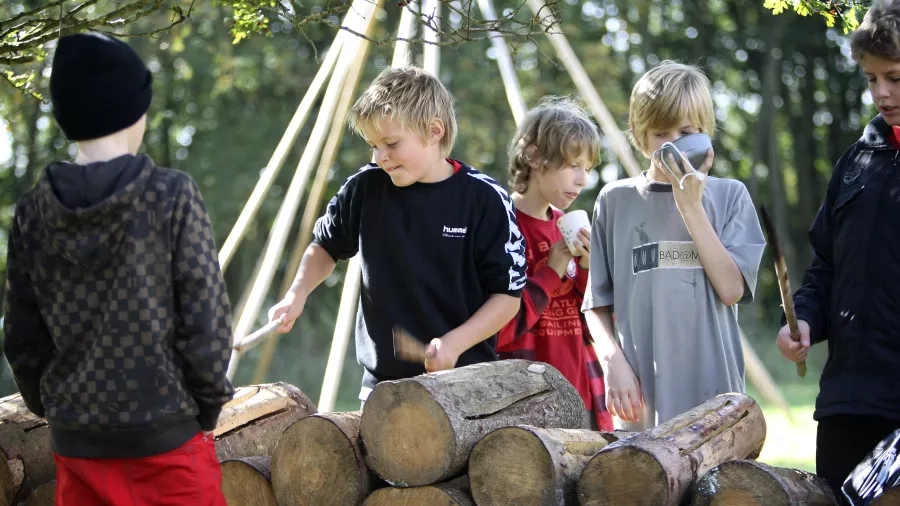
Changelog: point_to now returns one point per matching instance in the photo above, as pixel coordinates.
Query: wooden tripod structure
(343, 64)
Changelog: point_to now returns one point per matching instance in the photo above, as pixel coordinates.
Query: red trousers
(189, 475)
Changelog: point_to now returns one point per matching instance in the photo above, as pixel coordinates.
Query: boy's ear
(533, 157)
(436, 130)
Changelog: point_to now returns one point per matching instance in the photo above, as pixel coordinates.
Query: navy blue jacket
(851, 292)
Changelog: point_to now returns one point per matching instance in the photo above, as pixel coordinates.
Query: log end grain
(750, 483)
(407, 436)
(623, 476)
(315, 463)
(419, 496)
(245, 482)
(512, 466)
(739, 483)
(44, 495)
(889, 498)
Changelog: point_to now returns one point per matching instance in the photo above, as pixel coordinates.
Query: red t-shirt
(895, 137)
(549, 326)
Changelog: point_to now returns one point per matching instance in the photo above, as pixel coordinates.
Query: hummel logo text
(458, 232)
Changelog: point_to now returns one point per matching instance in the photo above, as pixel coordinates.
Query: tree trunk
(25, 439)
(251, 423)
(419, 431)
(319, 462)
(670, 457)
(245, 482)
(452, 493)
(45, 495)
(527, 465)
(751, 483)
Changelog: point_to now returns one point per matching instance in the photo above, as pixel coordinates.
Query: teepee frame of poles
(342, 69)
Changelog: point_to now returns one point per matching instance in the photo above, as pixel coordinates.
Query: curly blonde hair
(555, 133)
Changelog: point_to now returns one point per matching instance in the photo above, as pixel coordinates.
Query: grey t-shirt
(682, 342)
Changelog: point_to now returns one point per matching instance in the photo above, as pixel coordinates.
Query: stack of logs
(504, 433)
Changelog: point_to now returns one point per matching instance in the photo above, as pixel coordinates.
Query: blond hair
(665, 96)
(410, 96)
(555, 133)
(879, 32)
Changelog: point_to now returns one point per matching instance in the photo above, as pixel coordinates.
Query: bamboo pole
(317, 193)
(239, 230)
(504, 61)
(405, 31)
(585, 87)
(431, 9)
(363, 14)
(344, 325)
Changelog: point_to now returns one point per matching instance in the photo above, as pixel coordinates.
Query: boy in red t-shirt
(554, 148)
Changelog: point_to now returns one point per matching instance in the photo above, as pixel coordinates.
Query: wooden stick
(363, 15)
(226, 253)
(343, 329)
(586, 87)
(317, 192)
(504, 61)
(784, 284)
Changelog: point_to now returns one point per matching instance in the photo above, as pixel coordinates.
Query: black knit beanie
(98, 86)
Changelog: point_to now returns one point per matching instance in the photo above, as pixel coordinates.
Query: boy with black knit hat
(118, 325)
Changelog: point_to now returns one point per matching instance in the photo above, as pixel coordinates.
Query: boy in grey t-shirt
(671, 256)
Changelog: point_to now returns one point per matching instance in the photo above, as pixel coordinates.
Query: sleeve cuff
(816, 326)
(208, 418)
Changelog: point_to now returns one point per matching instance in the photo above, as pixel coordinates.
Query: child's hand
(623, 390)
(291, 306)
(794, 351)
(583, 248)
(439, 356)
(559, 257)
(688, 189)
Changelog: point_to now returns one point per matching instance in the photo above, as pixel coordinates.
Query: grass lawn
(791, 437)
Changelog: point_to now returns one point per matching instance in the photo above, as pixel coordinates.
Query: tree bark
(319, 462)
(672, 456)
(45, 495)
(25, 439)
(891, 497)
(245, 482)
(252, 422)
(452, 493)
(418, 431)
(751, 483)
(528, 465)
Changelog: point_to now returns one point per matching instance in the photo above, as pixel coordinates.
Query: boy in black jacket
(850, 296)
(441, 251)
(118, 326)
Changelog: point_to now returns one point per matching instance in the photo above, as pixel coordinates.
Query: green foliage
(832, 10)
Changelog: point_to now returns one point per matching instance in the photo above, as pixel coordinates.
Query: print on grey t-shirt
(682, 342)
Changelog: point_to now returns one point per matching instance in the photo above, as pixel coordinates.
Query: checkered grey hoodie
(117, 322)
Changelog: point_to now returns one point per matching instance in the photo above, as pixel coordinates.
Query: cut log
(251, 423)
(451, 493)
(891, 497)
(418, 431)
(672, 456)
(245, 482)
(319, 462)
(25, 441)
(45, 495)
(751, 483)
(528, 465)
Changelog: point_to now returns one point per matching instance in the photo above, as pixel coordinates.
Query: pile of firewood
(503, 433)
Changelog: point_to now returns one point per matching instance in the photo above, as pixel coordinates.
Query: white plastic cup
(570, 223)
